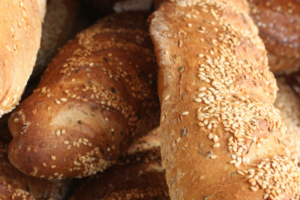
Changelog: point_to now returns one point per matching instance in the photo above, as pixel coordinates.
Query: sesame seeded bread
(139, 176)
(56, 30)
(279, 27)
(219, 129)
(14, 183)
(288, 104)
(96, 97)
(20, 39)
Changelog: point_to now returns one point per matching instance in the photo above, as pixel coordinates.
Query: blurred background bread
(279, 27)
(288, 104)
(56, 30)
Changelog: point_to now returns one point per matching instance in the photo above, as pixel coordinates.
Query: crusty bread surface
(219, 129)
(96, 97)
(20, 39)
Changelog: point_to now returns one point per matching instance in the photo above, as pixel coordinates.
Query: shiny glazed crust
(14, 183)
(219, 129)
(96, 97)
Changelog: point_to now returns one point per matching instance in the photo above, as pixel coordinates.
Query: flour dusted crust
(279, 27)
(219, 129)
(96, 97)
(288, 103)
(20, 39)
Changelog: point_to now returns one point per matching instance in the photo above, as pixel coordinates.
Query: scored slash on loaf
(230, 148)
(95, 98)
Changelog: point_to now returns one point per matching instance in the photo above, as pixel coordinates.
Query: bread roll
(219, 129)
(56, 30)
(279, 27)
(139, 176)
(288, 104)
(96, 97)
(13, 183)
(20, 39)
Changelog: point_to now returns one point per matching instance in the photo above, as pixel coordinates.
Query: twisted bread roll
(20, 39)
(139, 176)
(279, 27)
(288, 104)
(56, 30)
(96, 97)
(15, 185)
(219, 129)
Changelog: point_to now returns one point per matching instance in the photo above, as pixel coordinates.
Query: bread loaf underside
(219, 129)
(95, 98)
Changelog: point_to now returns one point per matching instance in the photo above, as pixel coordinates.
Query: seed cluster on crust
(288, 103)
(226, 105)
(278, 177)
(109, 75)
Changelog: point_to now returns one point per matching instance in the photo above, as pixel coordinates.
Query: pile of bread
(134, 99)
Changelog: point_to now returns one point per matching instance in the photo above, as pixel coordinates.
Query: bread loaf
(56, 30)
(219, 129)
(279, 27)
(42, 8)
(96, 97)
(288, 104)
(20, 39)
(139, 176)
(13, 183)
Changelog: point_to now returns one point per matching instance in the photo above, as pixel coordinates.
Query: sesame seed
(53, 166)
(213, 156)
(216, 145)
(185, 113)
(57, 101)
(63, 99)
(167, 97)
(53, 157)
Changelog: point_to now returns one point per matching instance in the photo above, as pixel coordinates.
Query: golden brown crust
(139, 176)
(56, 29)
(96, 97)
(20, 39)
(219, 129)
(279, 27)
(13, 182)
